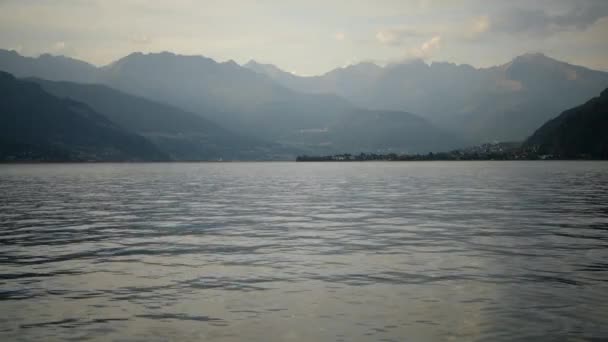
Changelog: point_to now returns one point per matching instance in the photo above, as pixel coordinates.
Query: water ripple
(321, 251)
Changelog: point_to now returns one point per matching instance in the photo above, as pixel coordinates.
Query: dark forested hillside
(178, 133)
(35, 125)
(580, 132)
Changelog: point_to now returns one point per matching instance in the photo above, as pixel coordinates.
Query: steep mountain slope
(580, 132)
(196, 83)
(180, 134)
(35, 125)
(506, 102)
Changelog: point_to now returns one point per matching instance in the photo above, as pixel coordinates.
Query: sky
(310, 37)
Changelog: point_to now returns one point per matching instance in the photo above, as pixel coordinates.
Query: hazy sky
(311, 36)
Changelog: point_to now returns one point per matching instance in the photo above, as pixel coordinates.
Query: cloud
(430, 46)
(480, 25)
(537, 21)
(396, 35)
(58, 46)
(427, 49)
(424, 51)
(479, 32)
(140, 39)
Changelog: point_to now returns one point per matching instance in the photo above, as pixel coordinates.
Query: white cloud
(386, 37)
(480, 32)
(58, 46)
(140, 39)
(427, 49)
(396, 35)
(480, 25)
(541, 21)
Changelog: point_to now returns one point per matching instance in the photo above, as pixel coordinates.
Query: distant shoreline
(289, 161)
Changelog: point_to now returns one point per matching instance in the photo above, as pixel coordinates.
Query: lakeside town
(489, 151)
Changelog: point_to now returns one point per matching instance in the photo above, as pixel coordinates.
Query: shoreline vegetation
(506, 151)
(503, 151)
(511, 151)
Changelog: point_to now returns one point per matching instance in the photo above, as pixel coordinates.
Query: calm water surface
(427, 251)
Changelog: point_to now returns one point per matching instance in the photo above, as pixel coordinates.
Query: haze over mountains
(181, 135)
(503, 103)
(48, 67)
(193, 108)
(254, 106)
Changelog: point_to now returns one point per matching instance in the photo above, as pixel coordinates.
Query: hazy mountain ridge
(390, 131)
(196, 82)
(506, 102)
(577, 133)
(179, 134)
(35, 125)
(304, 114)
(252, 104)
(46, 66)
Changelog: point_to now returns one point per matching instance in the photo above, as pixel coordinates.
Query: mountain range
(252, 105)
(502, 103)
(194, 108)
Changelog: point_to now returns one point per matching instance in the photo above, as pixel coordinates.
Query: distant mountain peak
(536, 57)
(266, 69)
(363, 66)
(251, 62)
(158, 58)
(163, 54)
(533, 55)
(445, 65)
(46, 66)
(47, 55)
(9, 52)
(43, 57)
(133, 55)
(409, 61)
(254, 63)
(416, 63)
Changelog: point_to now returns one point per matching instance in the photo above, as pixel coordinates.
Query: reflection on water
(304, 251)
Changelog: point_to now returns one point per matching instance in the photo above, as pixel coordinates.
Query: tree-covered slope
(35, 125)
(580, 132)
(178, 133)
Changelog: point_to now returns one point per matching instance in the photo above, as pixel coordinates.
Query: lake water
(397, 251)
